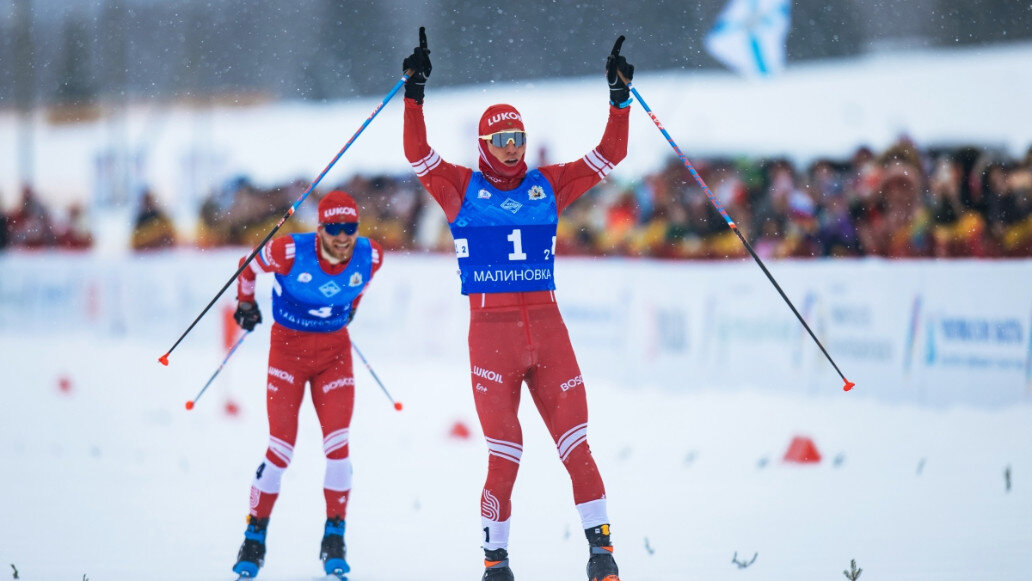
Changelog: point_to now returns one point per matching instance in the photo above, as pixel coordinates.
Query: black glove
(619, 93)
(419, 63)
(247, 315)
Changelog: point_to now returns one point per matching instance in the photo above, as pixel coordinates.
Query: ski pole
(397, 404)
(734, 228)
(390, 95)
(190, 404)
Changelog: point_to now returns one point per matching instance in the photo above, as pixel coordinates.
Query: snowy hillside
(971, 95)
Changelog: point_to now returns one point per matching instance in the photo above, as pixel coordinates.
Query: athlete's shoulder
(536, 175)
(376, 249)
(278, 254)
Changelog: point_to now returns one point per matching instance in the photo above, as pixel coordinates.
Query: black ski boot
(252, 553)
(333, 552)
(496, 566)
(601, 565)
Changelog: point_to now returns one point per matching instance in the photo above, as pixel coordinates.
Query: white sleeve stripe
(603, 162)
(598, 163)
(428, 163)
(264, 258)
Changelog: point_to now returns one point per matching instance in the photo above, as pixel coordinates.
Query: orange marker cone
(802, 450)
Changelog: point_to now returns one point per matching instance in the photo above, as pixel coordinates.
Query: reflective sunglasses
(502, 138)
(335, 228)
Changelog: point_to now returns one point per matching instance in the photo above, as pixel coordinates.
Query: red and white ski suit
(517, 337)
(322, 360)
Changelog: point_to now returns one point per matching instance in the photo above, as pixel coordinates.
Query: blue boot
(333, 552)
(252, 553)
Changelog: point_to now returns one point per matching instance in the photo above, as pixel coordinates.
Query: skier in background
(320, 278)
(503, 220)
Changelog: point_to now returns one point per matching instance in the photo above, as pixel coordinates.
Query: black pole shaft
(731, 224)
(770, 277)
(232, 279)
(164, 358)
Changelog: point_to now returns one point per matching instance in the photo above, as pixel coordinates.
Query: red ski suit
(517, 337)
(322, 360)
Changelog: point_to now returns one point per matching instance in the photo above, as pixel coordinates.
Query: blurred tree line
(72, 52)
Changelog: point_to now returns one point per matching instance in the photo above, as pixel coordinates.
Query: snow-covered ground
(106, 475)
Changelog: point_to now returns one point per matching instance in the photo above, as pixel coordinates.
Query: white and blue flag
(749, 36)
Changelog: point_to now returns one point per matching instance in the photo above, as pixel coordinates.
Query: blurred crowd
(904, 202)
(32, 224)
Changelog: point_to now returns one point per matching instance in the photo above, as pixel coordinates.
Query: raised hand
(417, 66)
(619, 73)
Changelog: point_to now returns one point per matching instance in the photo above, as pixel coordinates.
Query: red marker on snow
(189, 405)
(459, 431)
(397, 405)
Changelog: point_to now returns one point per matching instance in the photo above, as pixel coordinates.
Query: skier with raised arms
(503, 220)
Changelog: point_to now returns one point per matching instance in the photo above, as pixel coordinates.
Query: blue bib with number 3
(308, 299)
(505, 240)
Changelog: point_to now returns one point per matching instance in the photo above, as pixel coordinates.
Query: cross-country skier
(320, 278)
(503, 220)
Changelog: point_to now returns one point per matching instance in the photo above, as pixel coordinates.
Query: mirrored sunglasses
(335, 228)
(502, 138)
